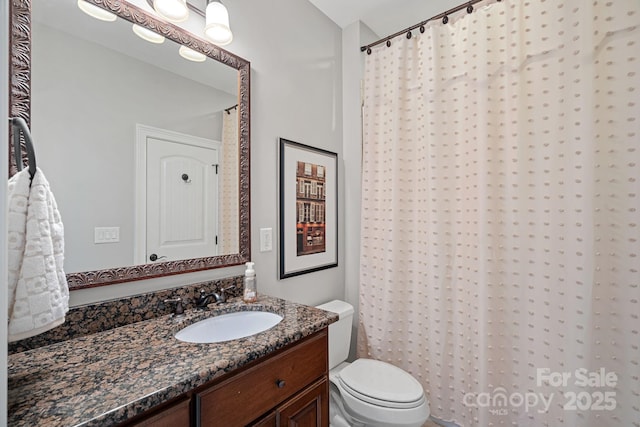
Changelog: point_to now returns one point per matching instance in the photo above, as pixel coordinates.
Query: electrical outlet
(266, 239)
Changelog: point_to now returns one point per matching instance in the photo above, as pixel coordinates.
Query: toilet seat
(381, 384)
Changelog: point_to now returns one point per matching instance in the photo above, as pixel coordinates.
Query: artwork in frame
(308, 209)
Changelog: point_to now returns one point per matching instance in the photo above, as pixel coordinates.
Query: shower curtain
(501, 213)
(229, 185)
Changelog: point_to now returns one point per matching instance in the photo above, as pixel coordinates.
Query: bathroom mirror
(103, 106)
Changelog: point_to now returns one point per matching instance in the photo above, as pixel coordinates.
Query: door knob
(155, 257)
(280, 383)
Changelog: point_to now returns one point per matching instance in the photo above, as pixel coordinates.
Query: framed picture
(308, 209)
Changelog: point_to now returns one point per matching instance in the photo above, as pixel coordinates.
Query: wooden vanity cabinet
(289, 388)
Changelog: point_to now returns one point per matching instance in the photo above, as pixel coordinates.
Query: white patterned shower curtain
(229, 184)
(501, 213)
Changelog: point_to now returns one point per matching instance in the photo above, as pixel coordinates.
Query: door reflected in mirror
(181, 211)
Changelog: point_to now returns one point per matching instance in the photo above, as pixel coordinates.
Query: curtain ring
(421, 28)
(368, 51)
(388, 43)
(469, 9)
(408, 34)
(445, 19)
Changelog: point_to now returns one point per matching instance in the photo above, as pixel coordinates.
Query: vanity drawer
(177, 415)
(240, 399)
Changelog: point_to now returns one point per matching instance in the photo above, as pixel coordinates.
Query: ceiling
(383, 17)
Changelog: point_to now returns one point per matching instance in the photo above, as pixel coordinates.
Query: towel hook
(20, 127)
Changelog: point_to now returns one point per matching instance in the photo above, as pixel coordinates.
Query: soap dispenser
(250, 291)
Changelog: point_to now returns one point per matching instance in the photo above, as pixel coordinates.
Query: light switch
(106, 234)
(266, 239)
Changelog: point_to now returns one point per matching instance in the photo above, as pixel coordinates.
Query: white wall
(4, 45)
(296, 93)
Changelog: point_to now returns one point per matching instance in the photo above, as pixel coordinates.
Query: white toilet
(368, 392)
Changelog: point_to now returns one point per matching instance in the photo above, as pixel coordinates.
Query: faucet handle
(178, 310)
(223, 295)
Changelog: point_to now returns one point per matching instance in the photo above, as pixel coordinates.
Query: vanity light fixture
(217, 24)
(191, 54)
(172, 10)
(96, 12)
(147, 34)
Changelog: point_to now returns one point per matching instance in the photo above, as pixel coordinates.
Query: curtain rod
(228, 110)
(445, 18)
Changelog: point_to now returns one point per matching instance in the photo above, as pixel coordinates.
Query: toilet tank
(339, 332)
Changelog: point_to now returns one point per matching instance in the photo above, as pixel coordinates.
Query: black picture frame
(308, 209)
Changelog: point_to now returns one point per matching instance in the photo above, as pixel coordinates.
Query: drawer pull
(280, 383)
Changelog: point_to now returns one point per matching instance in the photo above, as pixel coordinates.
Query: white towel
(38, 291)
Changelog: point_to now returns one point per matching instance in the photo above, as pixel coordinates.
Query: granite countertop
(111, 376)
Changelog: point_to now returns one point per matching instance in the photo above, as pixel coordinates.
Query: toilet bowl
(367, 392)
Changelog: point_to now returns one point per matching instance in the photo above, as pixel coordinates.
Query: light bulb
(172, 10)
(147, 34)
(217, 29)
(191, 54)
(96, 12)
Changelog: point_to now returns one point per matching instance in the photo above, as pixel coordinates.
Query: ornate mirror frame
(20, 106)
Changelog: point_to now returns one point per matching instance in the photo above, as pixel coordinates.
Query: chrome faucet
(205, 299)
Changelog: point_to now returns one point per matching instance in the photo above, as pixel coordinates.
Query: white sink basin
(228, 327)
